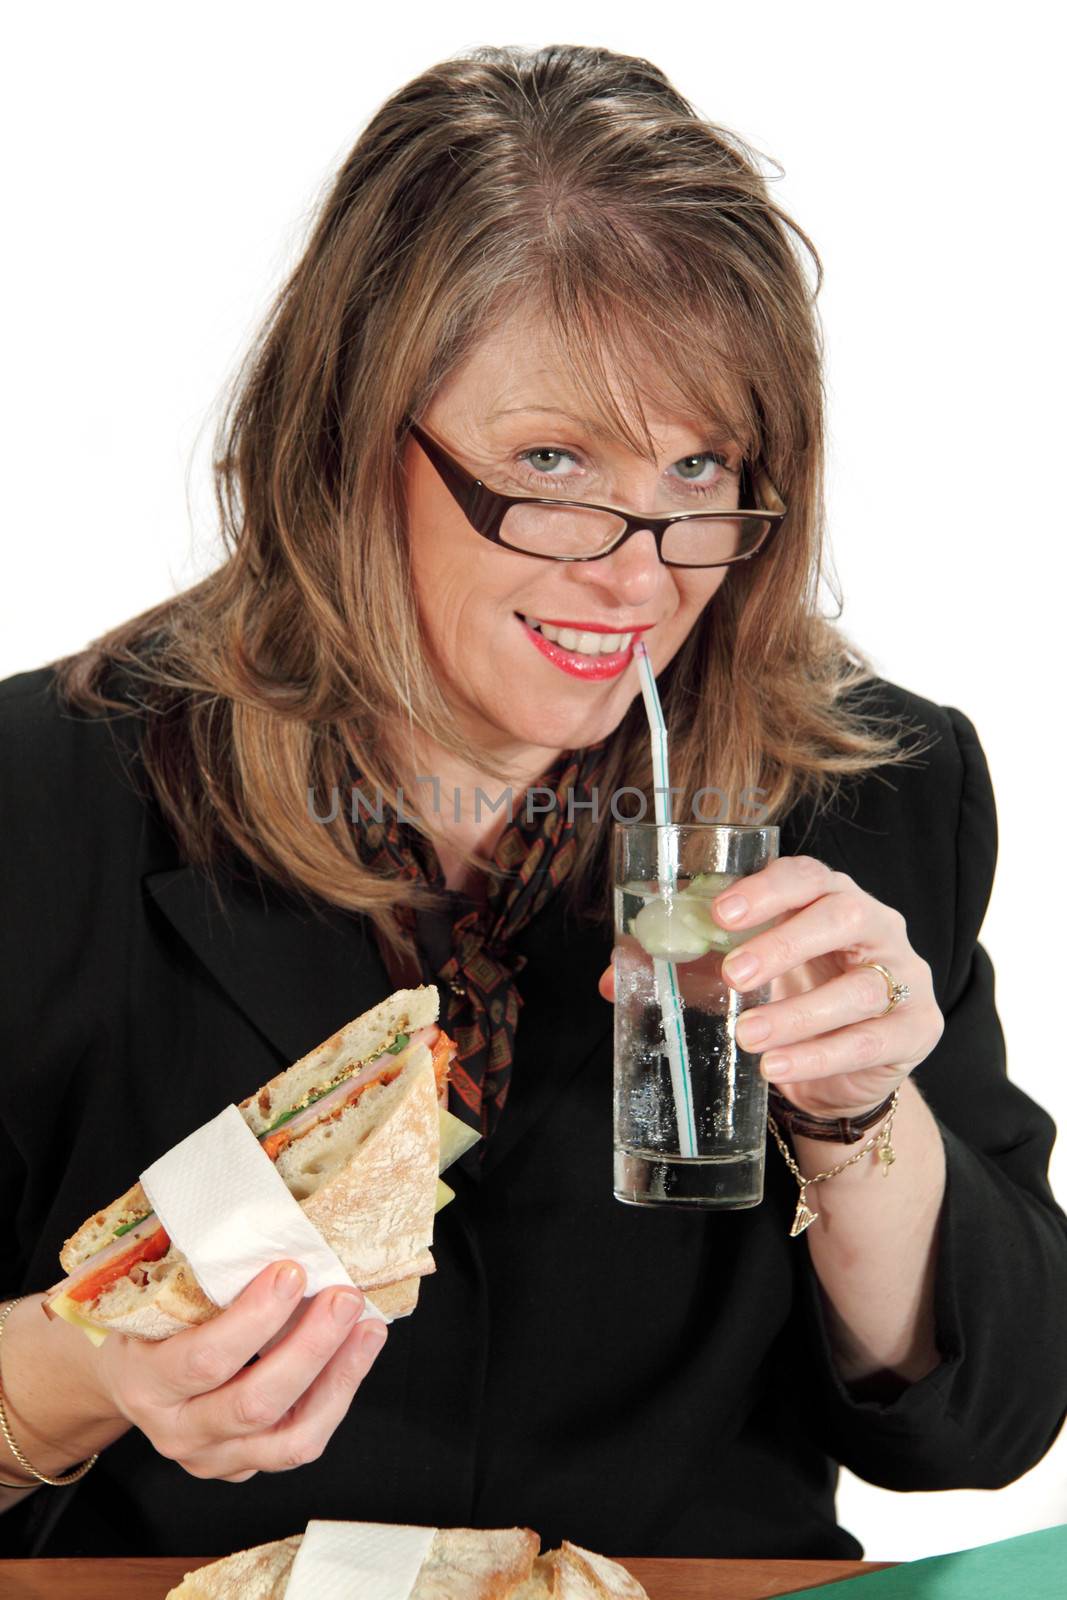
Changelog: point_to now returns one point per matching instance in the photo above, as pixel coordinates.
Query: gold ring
(897, 991)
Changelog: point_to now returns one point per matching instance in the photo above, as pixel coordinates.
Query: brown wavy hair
(580, 181)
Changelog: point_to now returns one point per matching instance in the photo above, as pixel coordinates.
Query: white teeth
(585, 642)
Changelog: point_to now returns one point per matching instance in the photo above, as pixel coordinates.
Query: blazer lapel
(296, 975)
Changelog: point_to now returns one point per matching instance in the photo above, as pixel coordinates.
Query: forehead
(605, 380)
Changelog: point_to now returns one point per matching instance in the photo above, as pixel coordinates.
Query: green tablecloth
(1031, 1567)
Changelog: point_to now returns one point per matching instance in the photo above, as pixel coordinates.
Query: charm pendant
(804, 1216)
(886, 1156)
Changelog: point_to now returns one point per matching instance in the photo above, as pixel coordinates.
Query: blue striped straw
(664, 972)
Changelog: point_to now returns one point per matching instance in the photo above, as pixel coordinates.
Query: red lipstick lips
(592, 668)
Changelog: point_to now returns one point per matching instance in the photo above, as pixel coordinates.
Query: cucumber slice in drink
(703, 889)
(681, 927)
(672, 930)
(696, 910)
(722, 940)
(696, 913)
(709, 884)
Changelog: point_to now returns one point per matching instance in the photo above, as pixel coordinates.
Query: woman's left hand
(834, 1055)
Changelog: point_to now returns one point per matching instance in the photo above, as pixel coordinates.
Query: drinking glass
(689, 1120)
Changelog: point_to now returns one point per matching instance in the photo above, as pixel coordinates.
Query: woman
(542, 272)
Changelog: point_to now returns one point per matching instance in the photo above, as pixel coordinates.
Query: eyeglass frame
(485, 509)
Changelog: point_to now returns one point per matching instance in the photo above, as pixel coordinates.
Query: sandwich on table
(459, 1564)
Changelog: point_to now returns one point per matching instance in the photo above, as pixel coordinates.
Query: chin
(571, 728)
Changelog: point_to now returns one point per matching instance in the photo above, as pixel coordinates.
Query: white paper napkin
(229, 1211)
(358, 1561)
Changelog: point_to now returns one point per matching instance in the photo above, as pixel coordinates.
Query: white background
(160, 166)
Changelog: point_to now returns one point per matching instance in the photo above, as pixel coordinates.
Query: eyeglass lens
(561, 531)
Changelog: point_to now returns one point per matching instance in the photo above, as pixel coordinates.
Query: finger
(606, 985)
(859, 1048)
(285, 1329)
(260, 1395)
(198, 1361)
(302, 1433)
(765, 899)
(845, 919)
(857, 996)
(784, 884)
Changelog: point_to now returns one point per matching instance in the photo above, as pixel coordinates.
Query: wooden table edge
(150, 1577)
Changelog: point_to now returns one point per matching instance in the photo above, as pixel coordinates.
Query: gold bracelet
(880, 1141)
(5, 1427)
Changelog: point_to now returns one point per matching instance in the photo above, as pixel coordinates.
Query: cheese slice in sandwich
(461, 1564)
(355, 1130)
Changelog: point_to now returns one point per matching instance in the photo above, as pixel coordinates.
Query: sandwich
(461, 1564)
(357, 1130)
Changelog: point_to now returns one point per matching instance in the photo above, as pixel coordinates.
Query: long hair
(580, 181)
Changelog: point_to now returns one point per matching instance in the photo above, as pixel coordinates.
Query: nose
(629, 576)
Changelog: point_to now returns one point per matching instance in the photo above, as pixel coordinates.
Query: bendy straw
(664, 973)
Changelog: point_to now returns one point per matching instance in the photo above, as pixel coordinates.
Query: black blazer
(640, 1383)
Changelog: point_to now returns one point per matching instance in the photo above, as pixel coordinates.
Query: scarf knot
(480, 1001)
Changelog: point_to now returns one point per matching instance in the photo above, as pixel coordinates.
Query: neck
(467, 810)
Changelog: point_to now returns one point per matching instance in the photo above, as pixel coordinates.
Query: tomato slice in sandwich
(151, 1249)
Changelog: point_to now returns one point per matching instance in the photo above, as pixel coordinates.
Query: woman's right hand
(199, 1403)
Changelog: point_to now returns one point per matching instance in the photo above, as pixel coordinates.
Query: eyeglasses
(574, 530)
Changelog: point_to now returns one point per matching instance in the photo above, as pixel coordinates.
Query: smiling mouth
(583, 641)
(594, 657)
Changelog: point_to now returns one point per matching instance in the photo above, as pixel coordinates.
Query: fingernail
(730, 909)
(738, 967)
(375, 1335)
(751, 1029)
(287, 1280)
(775, 1066)
(345, 1308)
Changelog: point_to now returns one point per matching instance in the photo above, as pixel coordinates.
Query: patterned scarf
(480, 1002)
